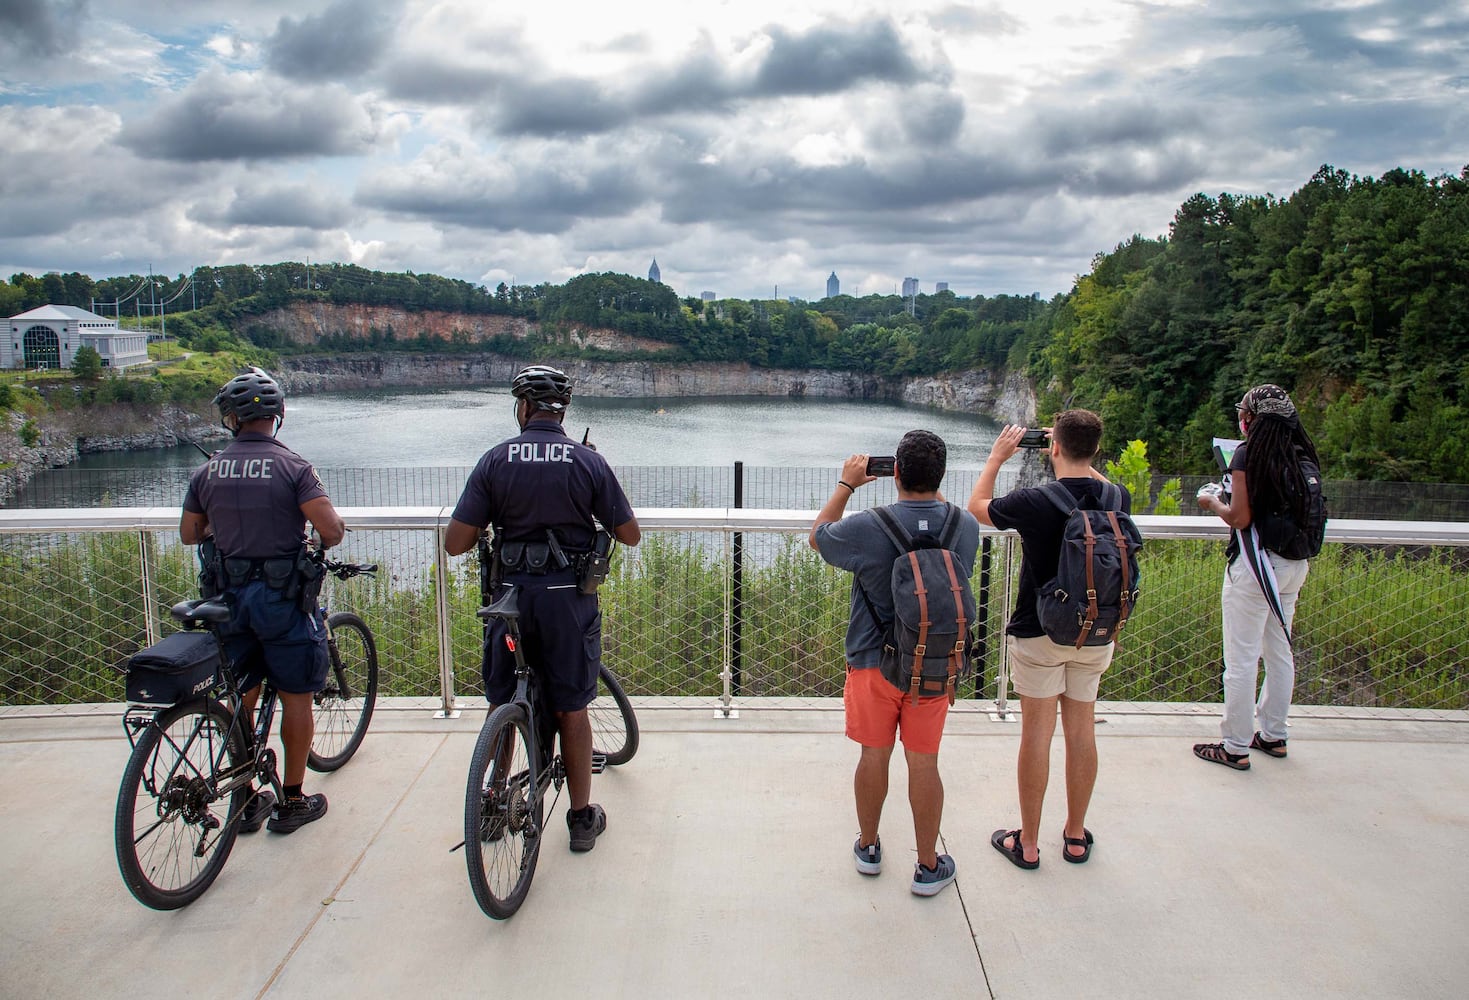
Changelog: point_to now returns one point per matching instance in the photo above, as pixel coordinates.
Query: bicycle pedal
(599, 762)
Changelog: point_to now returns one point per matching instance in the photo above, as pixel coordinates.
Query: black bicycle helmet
(548, 388)
(251, 395)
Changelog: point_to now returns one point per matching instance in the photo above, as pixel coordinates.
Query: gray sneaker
(931, 883)
(586, 826)
(869, 858)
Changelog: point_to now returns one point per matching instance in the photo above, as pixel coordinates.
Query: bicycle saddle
(503, 607)
(201, 611)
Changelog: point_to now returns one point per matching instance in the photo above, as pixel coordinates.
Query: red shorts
(877, 711)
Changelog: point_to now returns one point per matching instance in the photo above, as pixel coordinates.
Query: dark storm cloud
(1115, 122)
(543, 197)
(30, 28)
(281, 206)
(343, 41)
(830, 59)
(240, 117)
(933, 117)
(525, 100)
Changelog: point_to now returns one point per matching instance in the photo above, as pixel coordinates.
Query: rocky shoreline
(65, 435)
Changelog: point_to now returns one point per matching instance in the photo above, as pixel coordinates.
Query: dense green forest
(1352, 292)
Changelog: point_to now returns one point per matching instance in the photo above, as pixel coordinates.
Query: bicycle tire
(343, 709)
(614, 725)
(503, 813)
(176, 857)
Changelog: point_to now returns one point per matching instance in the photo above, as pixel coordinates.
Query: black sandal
(1216, 754)
(1273, 748)
(1084, 842)
(1016, 854)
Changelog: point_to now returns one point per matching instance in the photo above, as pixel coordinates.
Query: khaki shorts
(1040, 668)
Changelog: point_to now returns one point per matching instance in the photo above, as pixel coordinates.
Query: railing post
(447, 709)
(1002, 676)
(982, 615)
(145, 574)
(737, 590)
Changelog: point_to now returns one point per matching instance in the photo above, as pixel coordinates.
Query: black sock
(292, 791)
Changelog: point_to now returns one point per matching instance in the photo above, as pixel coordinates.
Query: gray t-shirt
(858, 543)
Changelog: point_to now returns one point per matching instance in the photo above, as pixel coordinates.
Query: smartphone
(880, 465)
(1036, 437)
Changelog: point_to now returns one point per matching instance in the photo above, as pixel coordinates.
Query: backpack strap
(893, 528)
(1125, 598)
(899, 536)
(1058, 494)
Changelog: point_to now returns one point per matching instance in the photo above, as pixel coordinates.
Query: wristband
(850, 488)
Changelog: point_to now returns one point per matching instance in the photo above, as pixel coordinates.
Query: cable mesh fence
(1376, 626)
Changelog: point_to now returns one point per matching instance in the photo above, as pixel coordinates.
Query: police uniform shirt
(1041, 524)
(252, 493)
(542, 479)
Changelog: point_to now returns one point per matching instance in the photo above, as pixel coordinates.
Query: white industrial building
(50, 336)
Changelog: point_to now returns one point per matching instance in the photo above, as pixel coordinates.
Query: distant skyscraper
(833, 286)
(707, 296)
(941, 286)
(910, 287)
(653, 273)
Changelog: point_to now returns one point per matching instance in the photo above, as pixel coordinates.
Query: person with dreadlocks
(1271, 500)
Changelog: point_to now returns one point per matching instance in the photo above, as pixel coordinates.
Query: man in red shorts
(877, 711)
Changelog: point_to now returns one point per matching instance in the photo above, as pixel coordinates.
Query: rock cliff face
(66, 434)
(305, 323)
(1010, 399)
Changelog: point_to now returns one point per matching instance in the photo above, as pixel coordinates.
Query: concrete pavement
(726, 872)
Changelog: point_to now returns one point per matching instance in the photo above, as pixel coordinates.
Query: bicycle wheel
(614, 726)
(344, 707)
(503, 810)
(173, 832)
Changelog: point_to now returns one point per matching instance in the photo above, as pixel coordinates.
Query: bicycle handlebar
(345, 571)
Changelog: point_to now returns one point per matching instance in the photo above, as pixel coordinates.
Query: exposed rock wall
(1009, 399)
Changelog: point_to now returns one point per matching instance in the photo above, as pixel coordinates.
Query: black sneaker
(257, 811)
(586, 826)
(295, 813)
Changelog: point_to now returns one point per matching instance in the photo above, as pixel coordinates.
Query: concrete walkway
(725, 872)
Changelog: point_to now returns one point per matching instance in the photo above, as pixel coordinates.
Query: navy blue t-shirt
(1041, 525)
(543, 479)
(252, 493)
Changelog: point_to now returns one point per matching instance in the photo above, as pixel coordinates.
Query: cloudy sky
(746, 144)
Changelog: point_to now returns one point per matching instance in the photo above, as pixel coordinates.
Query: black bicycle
(194, 763)
(514, 770)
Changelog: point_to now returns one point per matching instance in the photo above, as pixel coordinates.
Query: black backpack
(1279, 533)
(1096, 584)
(928, 644)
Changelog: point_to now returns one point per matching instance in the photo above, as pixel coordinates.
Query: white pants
(1250, 630)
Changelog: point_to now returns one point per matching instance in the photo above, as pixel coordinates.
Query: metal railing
(724, 605)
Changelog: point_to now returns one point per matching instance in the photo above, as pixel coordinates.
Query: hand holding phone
(1035, 437)
(880, 465)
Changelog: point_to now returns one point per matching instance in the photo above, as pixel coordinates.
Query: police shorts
(269, 636)
(561, 636)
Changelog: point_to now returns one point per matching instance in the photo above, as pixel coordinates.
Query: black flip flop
(1016, 854)
(1082, 842)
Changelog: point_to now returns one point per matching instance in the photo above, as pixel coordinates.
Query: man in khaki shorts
(1043, 672)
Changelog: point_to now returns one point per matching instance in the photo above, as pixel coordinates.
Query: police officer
(541, 491)
(254, 498)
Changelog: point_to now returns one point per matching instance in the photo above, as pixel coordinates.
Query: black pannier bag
(179, 667)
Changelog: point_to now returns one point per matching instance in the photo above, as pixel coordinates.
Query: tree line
(1353, 293)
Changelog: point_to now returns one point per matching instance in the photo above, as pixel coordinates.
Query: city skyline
(1002, 146)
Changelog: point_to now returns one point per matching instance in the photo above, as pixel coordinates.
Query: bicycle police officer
(541, 491)
(252, 500)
